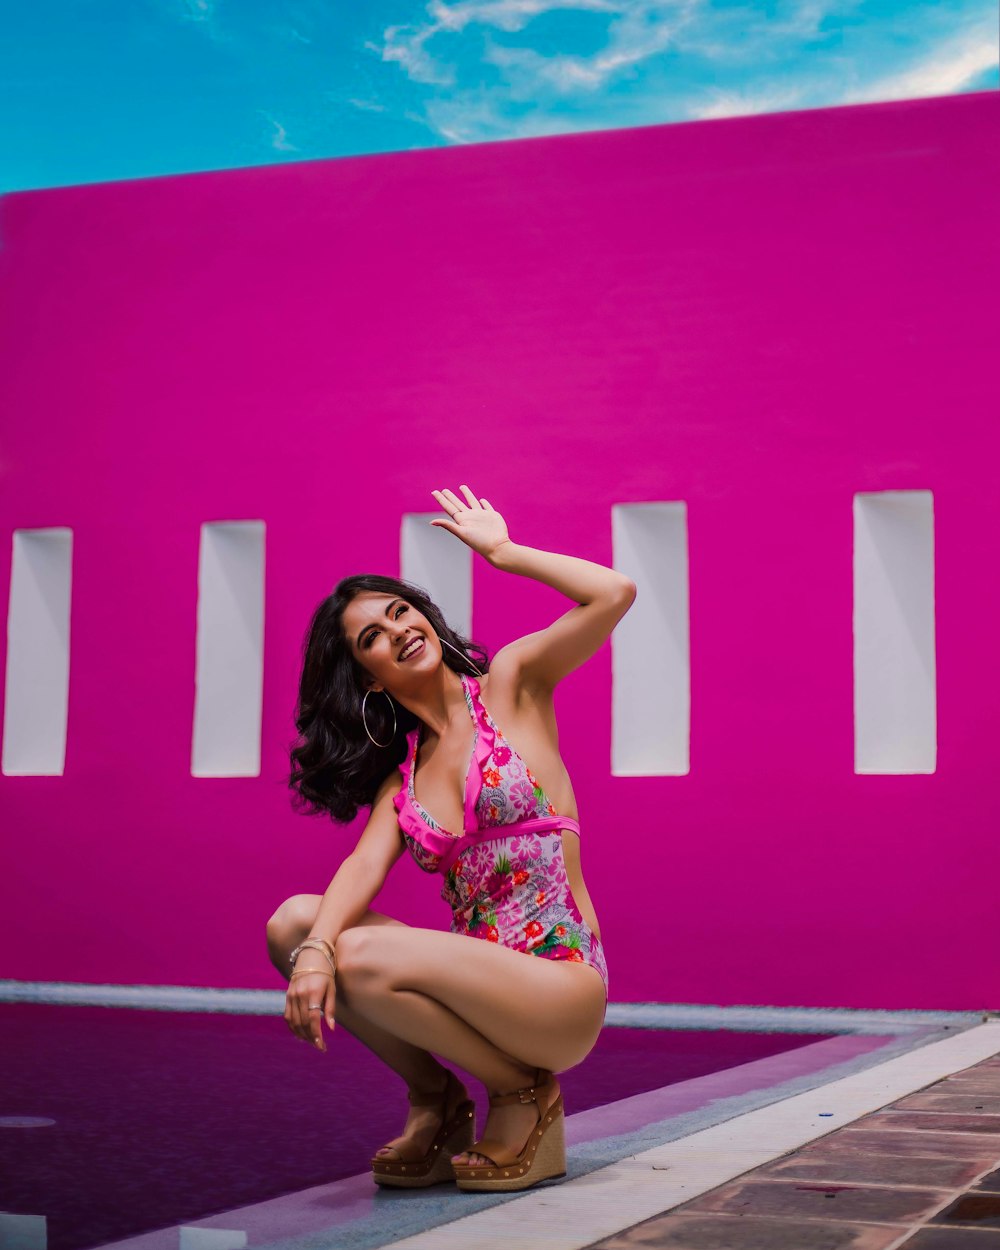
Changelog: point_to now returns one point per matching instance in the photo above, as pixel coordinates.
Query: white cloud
(641, 32)
(484, 119)
(203, 15)
(805, 19)
(733, 36)
(407, 45)
(743, 103)
(792, 57)
(509, 15)
(279, 135)
(367, 106)
(468, 121)
(199, 10)
(948, 68)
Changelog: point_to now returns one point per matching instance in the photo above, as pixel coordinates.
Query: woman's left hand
(473, 521)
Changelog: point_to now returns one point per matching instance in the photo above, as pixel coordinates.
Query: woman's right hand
(304, 990)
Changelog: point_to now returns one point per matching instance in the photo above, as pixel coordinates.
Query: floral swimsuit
(504, 876)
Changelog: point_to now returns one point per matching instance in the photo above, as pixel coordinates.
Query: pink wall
(760, 316)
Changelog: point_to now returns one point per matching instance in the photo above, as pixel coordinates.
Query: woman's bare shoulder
(508, 699)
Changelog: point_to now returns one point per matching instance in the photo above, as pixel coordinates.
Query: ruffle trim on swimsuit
(439, 842)
(481, 751)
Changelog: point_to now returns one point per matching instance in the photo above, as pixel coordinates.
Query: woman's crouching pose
(400, 712)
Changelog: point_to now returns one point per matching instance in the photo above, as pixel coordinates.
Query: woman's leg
(498, 1013)
(287, 928)
(290, 925)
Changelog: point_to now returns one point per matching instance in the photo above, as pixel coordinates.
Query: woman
(392, 703)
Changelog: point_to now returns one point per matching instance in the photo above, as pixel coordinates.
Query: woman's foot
(423, 1122)
(511, 1124)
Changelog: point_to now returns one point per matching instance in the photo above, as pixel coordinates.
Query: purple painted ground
(165, 1117)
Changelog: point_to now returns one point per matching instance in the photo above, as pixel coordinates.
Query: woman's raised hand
(473, 521)
(309, 990)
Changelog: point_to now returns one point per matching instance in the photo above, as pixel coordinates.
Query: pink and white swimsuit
(504, 875)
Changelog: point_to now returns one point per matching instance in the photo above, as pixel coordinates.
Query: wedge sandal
(542, 1157)
(413, 1168)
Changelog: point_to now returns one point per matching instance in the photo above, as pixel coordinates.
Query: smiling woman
(389, 694)
(338, 765)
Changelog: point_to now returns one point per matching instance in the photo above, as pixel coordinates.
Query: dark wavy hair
(335, 767)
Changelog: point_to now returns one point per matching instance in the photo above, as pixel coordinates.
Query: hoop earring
(364, 719)
(462, 654)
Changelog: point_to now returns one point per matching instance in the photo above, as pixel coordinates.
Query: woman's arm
(362, 874)
(356, 882)
(603, 595)
(582, 580)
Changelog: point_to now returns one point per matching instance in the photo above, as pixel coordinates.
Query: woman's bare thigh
(541, 1012)
(299, 914)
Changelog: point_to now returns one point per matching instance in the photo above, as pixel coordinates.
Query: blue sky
(96, 91)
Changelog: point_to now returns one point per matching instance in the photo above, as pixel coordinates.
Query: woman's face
(390, 639)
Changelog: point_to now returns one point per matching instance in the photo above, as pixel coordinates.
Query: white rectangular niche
(24, 1232)
(895, 685)
(229, 665)
(441, 564)
(36, 691)
(192, 1238)
(650, 648)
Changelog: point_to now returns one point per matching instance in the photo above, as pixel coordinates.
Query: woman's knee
(293, 918)
(360, 960)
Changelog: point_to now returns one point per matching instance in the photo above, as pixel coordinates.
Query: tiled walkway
(922, 1172)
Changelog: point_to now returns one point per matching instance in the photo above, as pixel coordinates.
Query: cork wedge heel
(542, 1157)
(416, 1169)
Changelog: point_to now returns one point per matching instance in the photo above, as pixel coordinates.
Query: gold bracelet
(311, 972)
(324, 943)
(319, 944)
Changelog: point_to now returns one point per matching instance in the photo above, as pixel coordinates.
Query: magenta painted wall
(760, 316)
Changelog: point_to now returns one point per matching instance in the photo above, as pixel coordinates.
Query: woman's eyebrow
(388, 608)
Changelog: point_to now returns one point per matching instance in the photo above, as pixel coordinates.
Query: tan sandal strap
(426, 1100)
(501, 1155)
(406, 1150)
(519, 1095)
(529, 1094)
(418, 1098)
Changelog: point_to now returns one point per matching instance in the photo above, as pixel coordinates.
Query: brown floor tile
(951, 1239)
(979, 1210)
(841, 1192)
(990, 1183)
(875, 1169)
(966, 1085)
(935, 1121)
(821, 1202)
(941, 1100)
(968, 1082)
(721, 1232)
(982, 1150)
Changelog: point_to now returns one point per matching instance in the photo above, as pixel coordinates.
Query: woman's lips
(413, 650)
